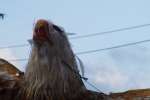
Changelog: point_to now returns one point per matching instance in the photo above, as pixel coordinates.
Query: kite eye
(57, 29)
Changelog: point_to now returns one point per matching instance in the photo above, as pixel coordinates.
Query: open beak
(41, 30)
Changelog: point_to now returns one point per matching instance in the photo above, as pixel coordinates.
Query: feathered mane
(46, 76)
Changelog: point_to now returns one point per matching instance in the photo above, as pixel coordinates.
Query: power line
(14, 60)
(88, 35)
(111, 31)
(99, 50)
(14, 46)
(93, 86)
(113, 47)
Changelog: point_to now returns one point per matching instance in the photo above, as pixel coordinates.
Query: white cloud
(119, 70)
(104, 73)
(112, 77)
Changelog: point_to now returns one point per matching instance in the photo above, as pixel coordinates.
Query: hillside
(138, 94)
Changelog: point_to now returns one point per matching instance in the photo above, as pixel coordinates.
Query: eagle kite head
(46, 31)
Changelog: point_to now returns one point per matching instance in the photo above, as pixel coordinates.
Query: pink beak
(41, 30)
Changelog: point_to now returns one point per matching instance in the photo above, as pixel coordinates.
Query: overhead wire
(14, 46)
(113, 47)
(89, 35)
(99, 50)
(111, 31)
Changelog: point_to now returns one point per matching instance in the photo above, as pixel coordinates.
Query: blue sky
(111, 71)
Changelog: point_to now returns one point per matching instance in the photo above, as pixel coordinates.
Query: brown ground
(138, 94)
